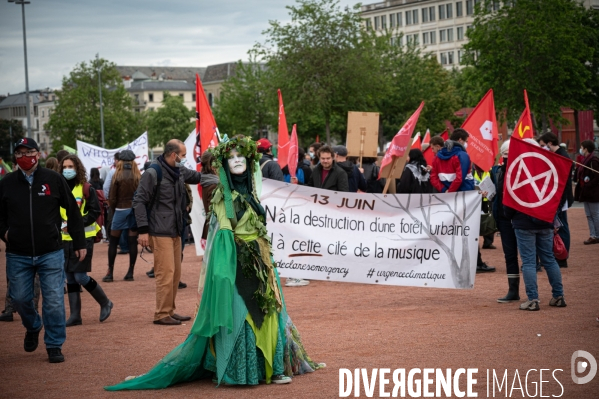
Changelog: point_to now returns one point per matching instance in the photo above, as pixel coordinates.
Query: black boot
(513, 290)
(75, 305)
(129, 275)
(132, 257)
(108, 277)
(98, 294)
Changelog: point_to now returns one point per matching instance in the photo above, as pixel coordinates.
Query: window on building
(399, 22)
(368, 23)
(469, 7)
(182, 96)
(210, 99)
(431, 13)
(459, 12)
(442, 36)
(415, 16)
(151, 97)
(408, 17)
(433, 37)
(43, 113)
(377, 23)
(496, 5)
(443, 58)
(460, 56)
(383, 22)
(450, 57)
(449, 10)
(392, 21)
(193, 97)
(425, 15)
(37, 125)
(450, 35)
(441, 12)
(136, 98)
(460, 32)
(425, 38)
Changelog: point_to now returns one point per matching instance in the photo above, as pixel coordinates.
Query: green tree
(6, 140)
(171, 121)
(77, 113)
(540, 46)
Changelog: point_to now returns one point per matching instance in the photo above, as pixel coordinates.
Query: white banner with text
(97, 157)
(422, 240)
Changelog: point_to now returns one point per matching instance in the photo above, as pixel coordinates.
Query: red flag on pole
(524, 125)
(416, 142)
(535, 180)
(293, 152)
(206, 128)
(400, 142)
(481, 124)
(283, 146)
(428, 153)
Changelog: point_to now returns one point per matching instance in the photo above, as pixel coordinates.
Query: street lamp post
(101, 105)
(22, 3)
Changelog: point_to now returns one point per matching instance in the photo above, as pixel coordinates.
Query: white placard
(97, 157)
(198, 213)
(423, 240)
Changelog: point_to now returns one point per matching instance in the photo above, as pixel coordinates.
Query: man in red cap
(270, 169)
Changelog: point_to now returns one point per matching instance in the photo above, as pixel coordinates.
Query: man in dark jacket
(355, 178)
(550, 142)
(30, 224)
(327, 174)
(159, 208)
(269, 167)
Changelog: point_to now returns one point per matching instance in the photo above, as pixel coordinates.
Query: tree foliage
(77, 113)
(171, 121)
(540, 46)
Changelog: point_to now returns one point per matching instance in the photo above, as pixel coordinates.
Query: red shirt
(325, 173)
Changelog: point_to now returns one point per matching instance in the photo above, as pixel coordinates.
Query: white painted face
(237, 163)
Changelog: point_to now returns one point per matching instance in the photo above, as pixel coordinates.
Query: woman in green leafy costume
(242, 334)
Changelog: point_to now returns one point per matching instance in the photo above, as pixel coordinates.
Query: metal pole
(26, 73)
(11, 143)
(101, 106)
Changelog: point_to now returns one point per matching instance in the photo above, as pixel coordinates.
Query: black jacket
(336, 180)
(355, 178)
(270, 168)
(568, 194)
(31, 214)
(414, 180)
(523, 221)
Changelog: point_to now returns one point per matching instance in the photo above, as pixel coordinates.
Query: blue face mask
(181, 162)
(69, 173)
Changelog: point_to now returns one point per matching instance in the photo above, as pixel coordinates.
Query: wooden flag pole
(362, 136)
(577, 163)
(388, 182)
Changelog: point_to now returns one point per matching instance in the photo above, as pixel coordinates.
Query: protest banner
(97, 157)
(422, 240)
(198, 213)
(362, 134)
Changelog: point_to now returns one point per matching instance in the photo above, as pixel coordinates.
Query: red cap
(264, 144)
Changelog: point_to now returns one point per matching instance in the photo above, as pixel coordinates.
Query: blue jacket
(452, 169)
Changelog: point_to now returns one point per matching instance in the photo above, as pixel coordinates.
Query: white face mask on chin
(237, 163)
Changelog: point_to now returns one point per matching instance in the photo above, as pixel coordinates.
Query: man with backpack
(270, 169)
(159, 204)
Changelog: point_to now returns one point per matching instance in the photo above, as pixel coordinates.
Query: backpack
(103, 205)
(156, 192)
(372, 184)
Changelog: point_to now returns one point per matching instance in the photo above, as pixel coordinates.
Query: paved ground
(344, 325)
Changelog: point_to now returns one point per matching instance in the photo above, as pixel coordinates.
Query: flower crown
(244, 145)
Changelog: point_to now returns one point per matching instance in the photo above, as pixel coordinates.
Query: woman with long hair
(124, 184)
(415, 178)
(76, 271)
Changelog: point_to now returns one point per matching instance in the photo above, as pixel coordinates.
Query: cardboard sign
(362, 134)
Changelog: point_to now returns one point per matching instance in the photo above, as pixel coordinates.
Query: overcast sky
(62, 33)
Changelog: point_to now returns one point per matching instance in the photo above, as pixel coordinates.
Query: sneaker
(484, 268)
(182, 285)
(559, 302)
(281, 379)
(55, 355)
(295, 282)
(31, 340)
(532, 305)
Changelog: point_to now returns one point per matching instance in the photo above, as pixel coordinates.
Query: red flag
(427, 138)
(283, 146)
(416, 142)
(524, 125)
(535, 180)
(317, 138)
(481, 124)
(292, 154)
(206, 128)
(428, 153)
(400, 142)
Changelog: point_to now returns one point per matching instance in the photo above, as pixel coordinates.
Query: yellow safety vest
(92, 229)
(478, 178)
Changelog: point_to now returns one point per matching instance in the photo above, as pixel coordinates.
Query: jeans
(564, 231)
(78, 278)
(21, 272)
(591, 209)
(530, 244)
(510, 246)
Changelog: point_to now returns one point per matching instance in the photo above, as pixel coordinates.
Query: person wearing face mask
(30, 224)
(159, 207)
(587, 189)
(74, 172)
(242, 333)
(550, 142)
(504, 225)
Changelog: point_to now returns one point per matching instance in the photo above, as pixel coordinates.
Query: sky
(62, 33)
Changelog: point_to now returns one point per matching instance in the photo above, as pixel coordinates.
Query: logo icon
(486, 130)
(530, 186)
(45, 190)
(582, 366)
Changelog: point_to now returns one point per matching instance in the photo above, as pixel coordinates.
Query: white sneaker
(280, 379)
(296, 282)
